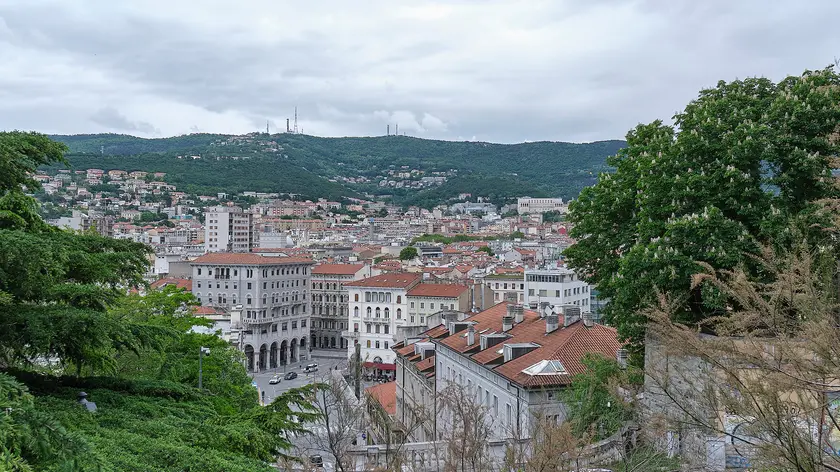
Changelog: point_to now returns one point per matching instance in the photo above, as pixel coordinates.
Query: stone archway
(249, 358)
(272, 356)
(284, 353)
(263, 357)
(293, 352)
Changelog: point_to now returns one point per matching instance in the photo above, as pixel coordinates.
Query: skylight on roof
(546, 367)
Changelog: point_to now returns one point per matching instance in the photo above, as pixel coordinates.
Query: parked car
(290, 376)
(274, 380)
(310, 368)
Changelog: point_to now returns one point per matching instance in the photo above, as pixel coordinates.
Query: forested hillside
(305, 164)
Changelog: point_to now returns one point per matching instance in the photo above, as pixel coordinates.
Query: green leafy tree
(742, 161)
(408, 253)
(594, 407)
(487, 249)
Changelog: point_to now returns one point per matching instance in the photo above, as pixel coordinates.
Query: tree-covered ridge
(305, 164)
(744, 167)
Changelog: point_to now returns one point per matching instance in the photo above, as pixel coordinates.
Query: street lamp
(201, 352)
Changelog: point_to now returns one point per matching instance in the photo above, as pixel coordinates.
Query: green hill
(305, 164)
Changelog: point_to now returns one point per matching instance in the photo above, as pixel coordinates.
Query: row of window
(328, 286)
(552, 279)
(249, 273)
(370, 312)
(566, 293)
(368, 329)
(331, 324)
(377, 344)
(378, 297)
(512, 286)
(432, 306)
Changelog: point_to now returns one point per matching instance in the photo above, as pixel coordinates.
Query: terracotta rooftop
(565, 344)
(437, 290)
(337, 269)
(248, 259)
(185, 284)
(386, 395)
(392, 280)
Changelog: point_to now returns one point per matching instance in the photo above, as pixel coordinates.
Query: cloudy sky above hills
(503, 71)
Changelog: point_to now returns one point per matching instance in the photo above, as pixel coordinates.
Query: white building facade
(330, 302)
(540, 205)
(228, 229)
(556, 288)
(377, 306)
(270, 297)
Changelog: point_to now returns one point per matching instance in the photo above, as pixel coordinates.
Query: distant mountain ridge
(321, 167)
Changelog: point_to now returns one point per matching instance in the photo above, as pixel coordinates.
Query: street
(271, 391)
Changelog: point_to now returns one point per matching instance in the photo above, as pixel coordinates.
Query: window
(265, 285)
(422, 319)
(531, 291)
(378, 312)
(387, 313)
(355, 327)
(369, 311)
(274, 328)
(412, 304)
(356, 312)
(432, 306)
(367, 297)
(557, 293)
(387, 328)
(377, 344)
(199, 284)
(377, 329)
(367, 327)
(355, 297)
(399, 313)
(509, 418)
(422, 305)
(505, 286)
(199, 271)
(284, 326)
(399, 299)
(386, 343)
(248, 301)
(495, 405)
(294, 324)
(368, 343)
(451, 306)
(249, 285)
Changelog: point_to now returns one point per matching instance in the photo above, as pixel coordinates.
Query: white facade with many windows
(272, 296)
(540, 205)
(557, 287)
(228, 229)
(377, 306)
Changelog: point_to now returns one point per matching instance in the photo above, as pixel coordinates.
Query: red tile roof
(567, 345)
(185, 284)
(248, 259)
(392, 280)
(438, 290)
(205, 310)
(386, 395)
(337, 269)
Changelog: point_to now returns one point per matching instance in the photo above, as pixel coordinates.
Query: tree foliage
(595, 409)
(408, 253)
(742, 161)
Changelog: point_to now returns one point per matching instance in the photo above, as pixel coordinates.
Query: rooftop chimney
(588, 320)
(552, 322)
(507, 323)
(621, 356)
(570, 315)
(518, 314)
(470, 335)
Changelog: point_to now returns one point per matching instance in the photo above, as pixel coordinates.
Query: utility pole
(358, 370)
(201, 352)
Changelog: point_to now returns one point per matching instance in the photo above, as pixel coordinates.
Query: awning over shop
(379, 365)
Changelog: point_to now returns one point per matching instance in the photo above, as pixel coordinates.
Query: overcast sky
(501, 71)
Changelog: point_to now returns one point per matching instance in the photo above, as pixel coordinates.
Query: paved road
(271, 391)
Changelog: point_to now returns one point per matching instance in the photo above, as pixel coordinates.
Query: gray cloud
(498, 70)
(114, 120)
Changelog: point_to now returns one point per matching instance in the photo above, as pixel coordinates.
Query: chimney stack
(621, 356)
(518, 314)
(552, 322)
(507, 323)
(571, 314)
(588, 320)
(470, 335)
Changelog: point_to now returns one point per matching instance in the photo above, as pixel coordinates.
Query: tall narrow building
(228, 229)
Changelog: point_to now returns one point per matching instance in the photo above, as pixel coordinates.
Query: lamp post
(201, 352)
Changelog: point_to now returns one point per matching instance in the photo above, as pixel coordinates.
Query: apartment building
(501, 284)
(427, 300)
(330, 302)
(268, 298)
(509, 359)
(228, 229)
(555, 288)
(540, 205)
(377, 306)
